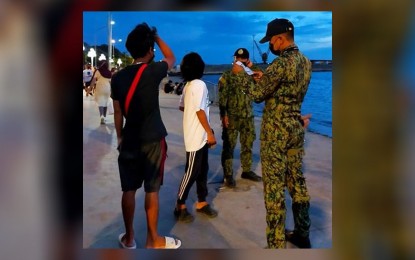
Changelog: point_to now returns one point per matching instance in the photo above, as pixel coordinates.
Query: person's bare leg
(152, 211)
(128, 208)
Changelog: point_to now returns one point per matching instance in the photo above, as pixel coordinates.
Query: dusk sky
(214, 35)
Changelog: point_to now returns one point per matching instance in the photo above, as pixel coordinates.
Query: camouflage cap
(277, 26)
(241, 53)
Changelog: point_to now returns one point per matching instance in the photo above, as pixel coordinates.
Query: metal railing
(213, 91)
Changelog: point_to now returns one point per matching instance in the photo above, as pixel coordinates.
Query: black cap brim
(265, 39)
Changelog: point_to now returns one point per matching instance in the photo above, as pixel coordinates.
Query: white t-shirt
(87, 75)
(195, 97)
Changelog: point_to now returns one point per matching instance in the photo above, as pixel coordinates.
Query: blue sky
(214, 35)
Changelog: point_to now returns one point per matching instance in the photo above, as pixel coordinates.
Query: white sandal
(172, 243)
(134, 246)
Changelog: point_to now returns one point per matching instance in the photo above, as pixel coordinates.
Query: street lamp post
(92, 55)
(102, 57)
(110, 24)
(83, 52)
(113, 49)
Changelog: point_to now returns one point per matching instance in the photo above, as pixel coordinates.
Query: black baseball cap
(277, 26)
(241, 53)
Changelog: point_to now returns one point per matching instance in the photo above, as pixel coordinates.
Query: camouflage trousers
(246, 129)
(282, 168)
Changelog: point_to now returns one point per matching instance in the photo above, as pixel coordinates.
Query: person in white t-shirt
(198, 137)
(87, 76)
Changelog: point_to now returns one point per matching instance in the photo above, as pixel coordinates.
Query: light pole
(113, 49)
(102, 57)
(92, 55)
(110, 24)
(83, 52)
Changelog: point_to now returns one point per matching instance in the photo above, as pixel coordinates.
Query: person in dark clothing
(141, 141)
(168, 88)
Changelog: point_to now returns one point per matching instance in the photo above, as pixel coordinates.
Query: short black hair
(192, 66)
(289, 35)
(140, 40)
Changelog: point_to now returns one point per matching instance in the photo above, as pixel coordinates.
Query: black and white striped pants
(196, 170)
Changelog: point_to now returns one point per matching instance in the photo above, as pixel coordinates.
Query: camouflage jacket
(283, 87)
(232, 100)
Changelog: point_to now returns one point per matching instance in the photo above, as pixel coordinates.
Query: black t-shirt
(143, 122)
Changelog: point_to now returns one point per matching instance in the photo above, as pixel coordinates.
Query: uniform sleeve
(223, 95)
(268, 83)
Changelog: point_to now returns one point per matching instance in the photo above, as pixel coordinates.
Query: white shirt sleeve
(199, 95)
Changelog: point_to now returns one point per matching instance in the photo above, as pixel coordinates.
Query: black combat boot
(300, 235)
(297, 240)
(229, 181)
(251, 176)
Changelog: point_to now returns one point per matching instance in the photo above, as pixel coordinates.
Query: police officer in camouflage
(237, 118)
(283, 86)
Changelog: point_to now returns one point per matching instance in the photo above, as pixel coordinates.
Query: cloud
(216, 34)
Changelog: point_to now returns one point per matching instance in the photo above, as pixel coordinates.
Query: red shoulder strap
(133, 87)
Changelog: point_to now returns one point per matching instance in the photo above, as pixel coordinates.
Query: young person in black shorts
(141, 142)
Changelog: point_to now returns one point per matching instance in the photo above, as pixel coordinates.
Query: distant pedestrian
(113, 70)
(180, 88)
(198, 136)
(168, 87)
(283, 86)
(87, 77)
(101, 80)
(141, 140)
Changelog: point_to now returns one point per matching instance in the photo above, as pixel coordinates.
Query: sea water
(317, 102)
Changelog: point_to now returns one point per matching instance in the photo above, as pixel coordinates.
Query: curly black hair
(140, 40)
(192, 66)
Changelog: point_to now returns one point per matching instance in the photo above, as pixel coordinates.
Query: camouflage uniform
(235, 104)
(283, 87)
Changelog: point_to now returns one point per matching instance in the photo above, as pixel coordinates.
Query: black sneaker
(297, 240)
(251, 176)
(208, 211)
(229, 182)
(183, 215)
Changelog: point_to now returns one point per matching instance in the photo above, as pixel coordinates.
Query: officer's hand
(257, 75)
(249, 63)
(306, 120)
(225, 122)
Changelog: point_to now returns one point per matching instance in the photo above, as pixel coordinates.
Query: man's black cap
(277, 26)
(242, 53)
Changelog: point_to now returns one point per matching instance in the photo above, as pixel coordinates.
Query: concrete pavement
(241, 220)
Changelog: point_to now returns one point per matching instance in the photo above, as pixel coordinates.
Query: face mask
(275, 52)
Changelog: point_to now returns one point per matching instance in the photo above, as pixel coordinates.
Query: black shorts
(145, 164)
